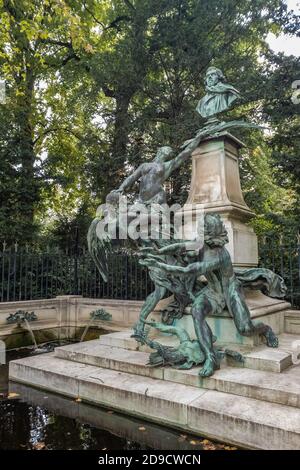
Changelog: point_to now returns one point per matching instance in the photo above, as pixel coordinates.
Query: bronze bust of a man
(219, 96)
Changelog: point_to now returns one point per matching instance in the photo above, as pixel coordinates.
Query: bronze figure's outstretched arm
(198, 267)
(181, 157)
(191, 268)
(130, 180)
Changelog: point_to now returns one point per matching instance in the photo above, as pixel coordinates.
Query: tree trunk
(28, 188)
(121, 131)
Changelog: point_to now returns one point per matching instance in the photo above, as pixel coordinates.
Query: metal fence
(31, 275)
(283, 259)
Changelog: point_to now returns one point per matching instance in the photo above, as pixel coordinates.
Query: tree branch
(68, 45)
(113, 24)
(55, 129)
(108, 91)
(129, 4)
(54, 42)
(94, 17)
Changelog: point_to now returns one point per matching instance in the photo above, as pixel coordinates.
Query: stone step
(267, 386)
(289, 342)
(123, 339)
(281, 388)
(222, 416)
(258, 358)
(96, 354)
(154, 437)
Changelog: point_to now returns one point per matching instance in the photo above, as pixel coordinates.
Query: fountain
(29, 329)
(254, 405)
(96, 315)
(21, 317)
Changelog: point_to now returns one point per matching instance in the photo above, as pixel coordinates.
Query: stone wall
(61, 317)
(65, 317)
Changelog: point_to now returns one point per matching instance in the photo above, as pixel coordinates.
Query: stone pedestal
(216, 187)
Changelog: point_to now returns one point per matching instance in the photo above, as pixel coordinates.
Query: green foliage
(274, 205)
(94, 87)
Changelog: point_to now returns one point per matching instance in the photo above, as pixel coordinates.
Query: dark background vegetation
(94, 87)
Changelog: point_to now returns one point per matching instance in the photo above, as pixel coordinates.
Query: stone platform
(256, 406)
(153, 436)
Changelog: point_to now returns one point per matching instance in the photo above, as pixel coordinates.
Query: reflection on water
(35, 419)
(23, 426)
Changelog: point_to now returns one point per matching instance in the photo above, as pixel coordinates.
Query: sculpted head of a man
(214, 76)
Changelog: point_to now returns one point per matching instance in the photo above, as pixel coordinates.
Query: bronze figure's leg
(243, 322)
(202, 307)
(148, 306)
(246, 327)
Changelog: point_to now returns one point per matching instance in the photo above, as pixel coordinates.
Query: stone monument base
(253, 405)
(216, 187)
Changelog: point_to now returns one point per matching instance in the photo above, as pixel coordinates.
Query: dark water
(34, 419)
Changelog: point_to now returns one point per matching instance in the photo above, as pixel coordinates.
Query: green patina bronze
(223, 288)
(175, 266)
(101, 314)
(20, 316)
(220, 95)
(186, 355)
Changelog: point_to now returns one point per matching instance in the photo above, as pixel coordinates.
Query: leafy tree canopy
(94, 87)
